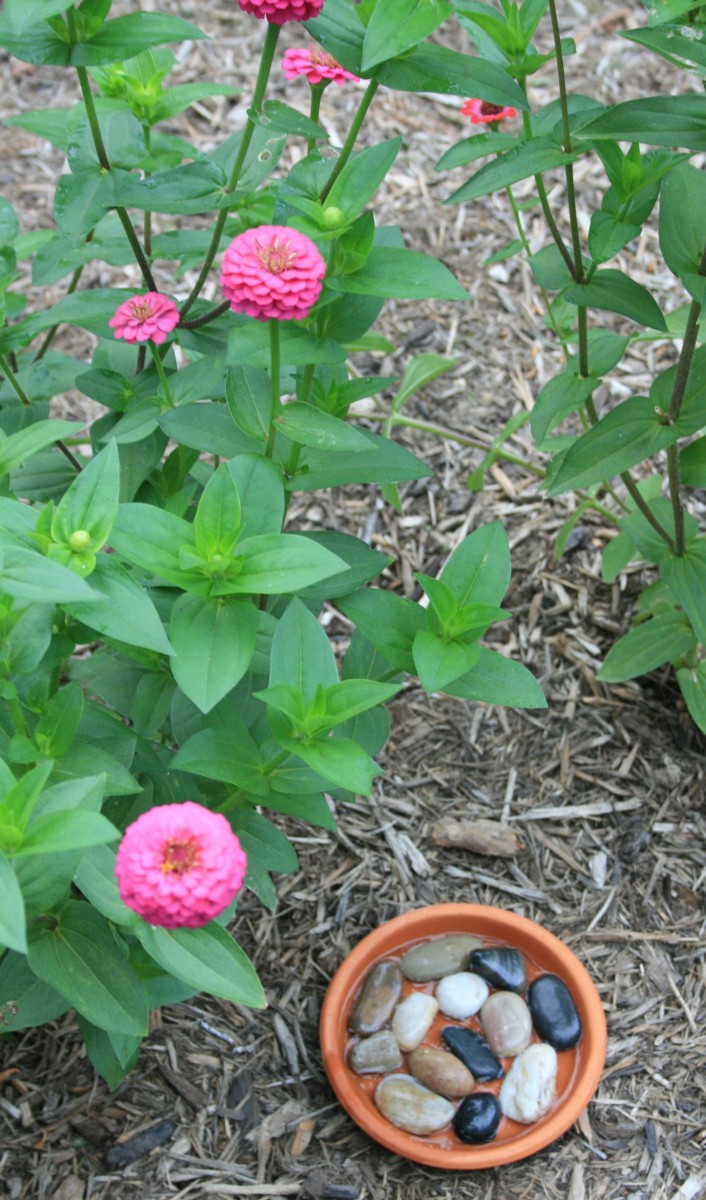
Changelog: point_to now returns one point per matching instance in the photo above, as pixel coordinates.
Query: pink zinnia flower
(179, 864)
(278, 12)
(316, 64)
(482, 112)
(148, 317)
(272, 271)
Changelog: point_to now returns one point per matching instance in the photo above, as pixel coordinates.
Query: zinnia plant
(168, 688)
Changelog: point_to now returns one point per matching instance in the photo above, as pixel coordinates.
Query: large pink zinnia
(149, 317)
(316, 64)
(278, 12)
(272, 271)
(179, 864)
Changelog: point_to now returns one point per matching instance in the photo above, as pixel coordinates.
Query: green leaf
(249, 345)
(479, 568)
(121, 609)
(523, 161)
(95, 879)
(113, 1055)
(249, 399)
(649, 645)
(389, 622)
(391, 463)
(692, 464)
(438, 661)
(81, 960)
(20, 446)
(420, 372)
(28, 576)
(230, 756)
(498, 680)
(404, 274)
(682, 226)
(676, 43)
(561, 396)
(127, 36)
(362, 176)
(259, 485)
(208, 959)
(607, 235)
(182, 95)
(267, 850)
(12, 910)
(214, 640)
(692, 684)
(339, 759)
(397, 25)
(656, 121)
(69, 830)
(363, 564)
(432, 68)
(206, 427)
(308, 426)
(25, 1000)
(611, 290)
(217, 520)
(477, 146)
(26, 13)
(286, 562)
(301, 653)
(91, 503)
(151, 538)
(686, 577)
(197, 187)
(57, 726)
(624, 437)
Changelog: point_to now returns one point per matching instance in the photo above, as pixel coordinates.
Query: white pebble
(461, 995)
(413, 1018)
(529, 1088)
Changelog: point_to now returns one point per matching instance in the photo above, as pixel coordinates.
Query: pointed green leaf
(649, 645)
(692, 684)
(213, 640)
(207, 958)
(498, 680)
(301, 654)
(686, 577)
(614, 292)
(521, 162)
(397, 25)
(12, 910)
(479, 568)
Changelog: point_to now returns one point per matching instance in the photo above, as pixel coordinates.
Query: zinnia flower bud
(272, 271)
(278, 12)
(149, 317)
(179, 865)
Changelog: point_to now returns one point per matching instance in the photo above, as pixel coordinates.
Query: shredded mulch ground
(604, 790)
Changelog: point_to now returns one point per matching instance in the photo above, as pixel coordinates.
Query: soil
(604, 788)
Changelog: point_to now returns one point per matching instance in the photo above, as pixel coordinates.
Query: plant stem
(274, 380)
(105, 164)
(317, 91)
(462, 440)
(691, 334)
(350, 140)
(675, 497)
(646, 511)
(546, 208)
(51, 333)
(14, 381)
(268, 53)
(528, 251)
(204, 319)
(157, 359)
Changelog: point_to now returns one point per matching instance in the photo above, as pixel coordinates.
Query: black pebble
(138, 1146)
(473, 1052)
(554, 1013)
(501, 966)
(478, 1117)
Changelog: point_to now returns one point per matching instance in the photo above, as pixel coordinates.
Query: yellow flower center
(180, 855)
(321, 59)
(141, 309)
(277, 257)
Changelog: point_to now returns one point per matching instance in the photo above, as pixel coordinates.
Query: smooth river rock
(554, 1013)
(502, 966)
(413, 1018)
(439, 957)
(477, 1118)
(410, 1106)
(474, 1052)
(377, 998)
(507, 1023)
(461, 995)
(377, 1054)
(529, 1088)
(441, 1072)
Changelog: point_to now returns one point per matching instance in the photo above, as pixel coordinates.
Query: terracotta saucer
(579, 1069)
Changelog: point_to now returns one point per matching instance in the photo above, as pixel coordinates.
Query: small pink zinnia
(278, 12)
(179, 864)
(316, 64)
(482, 112)
(149, 317)
(272, 271)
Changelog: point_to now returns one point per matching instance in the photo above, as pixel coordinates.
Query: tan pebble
(382, 988)
(507, 1023)
(408, 1105)
(413, 1018)
(441, 1072)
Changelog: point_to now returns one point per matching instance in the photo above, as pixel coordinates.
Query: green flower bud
(80, 541)
(332, 217)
